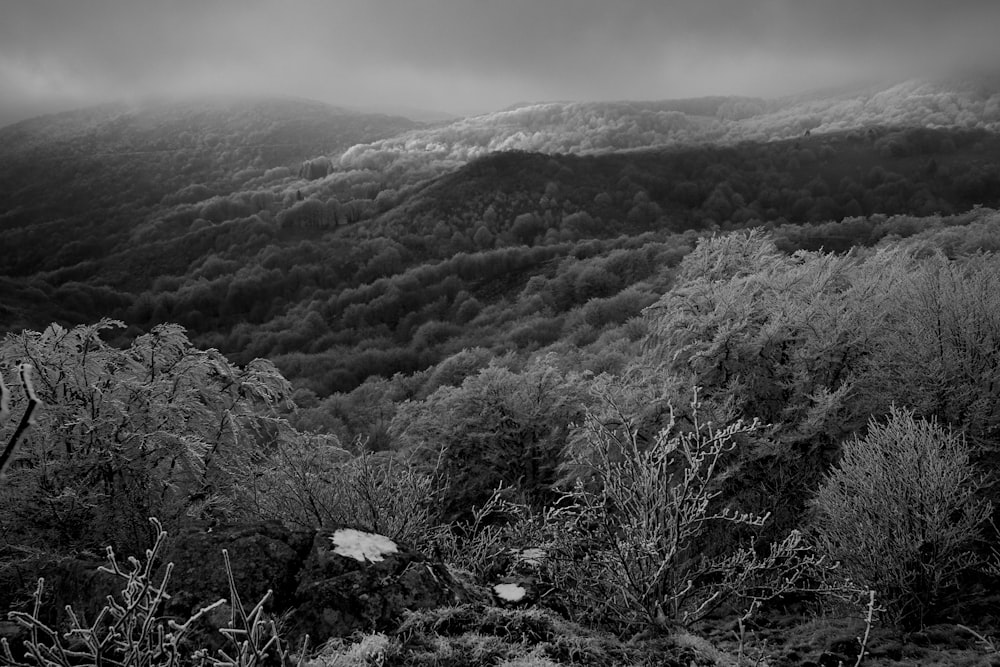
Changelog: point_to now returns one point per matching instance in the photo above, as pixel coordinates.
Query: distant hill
(100, 170)
(588, 127)
(75, 185)
(345, 245)
(144, 152)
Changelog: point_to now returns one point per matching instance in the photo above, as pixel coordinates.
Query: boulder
(326, 583)
(264, 556)
(355, 580)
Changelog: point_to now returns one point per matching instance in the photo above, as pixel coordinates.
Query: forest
(711, 381)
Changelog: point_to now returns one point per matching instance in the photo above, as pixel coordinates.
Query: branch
(4, 401)
(868, 628)
(26, 419)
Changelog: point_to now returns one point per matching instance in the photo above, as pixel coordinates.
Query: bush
(901, 515)
(649, 508)
(311, 482)
(498, 427)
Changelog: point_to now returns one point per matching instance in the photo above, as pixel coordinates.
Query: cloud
(465, 55)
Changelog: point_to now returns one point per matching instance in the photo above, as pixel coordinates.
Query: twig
(988, 644)
(4, 401)
(868, 628)
(742, 655)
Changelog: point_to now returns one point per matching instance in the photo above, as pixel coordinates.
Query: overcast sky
(467, 56)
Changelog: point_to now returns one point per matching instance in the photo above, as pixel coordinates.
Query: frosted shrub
(901, 515)
(311, 481)
(648, 510)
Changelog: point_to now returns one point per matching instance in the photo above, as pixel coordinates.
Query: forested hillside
(78, 185)
(704, 356)
(342, 277)
(600, 127)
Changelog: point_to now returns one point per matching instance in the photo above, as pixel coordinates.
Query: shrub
(901, 515)
(649, 509)
(507, 537)
(498, 427)
(311, 481)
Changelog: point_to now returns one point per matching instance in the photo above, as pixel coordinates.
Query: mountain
(345, 245)
(160, 146)
(74, 185)
(70, 163)
(591, 127)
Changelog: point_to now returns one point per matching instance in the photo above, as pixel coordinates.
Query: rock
(329, 583)
(263, 556)
(353, 580)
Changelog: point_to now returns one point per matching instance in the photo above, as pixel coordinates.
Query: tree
(782, 335)
(498, 427)
(781, 338)
(900, 513)
(580, 224)
(312, 170)
(309, 213)
(483, 238)
(526, 227)
(159, 428)
(939, 349)
(310, 481)
(24, 372)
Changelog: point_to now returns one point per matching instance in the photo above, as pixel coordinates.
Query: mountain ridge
(202, 226)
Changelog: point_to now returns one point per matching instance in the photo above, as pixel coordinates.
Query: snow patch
(510, 592)
(362, 546)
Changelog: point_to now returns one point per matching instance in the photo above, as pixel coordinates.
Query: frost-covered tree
(782, 335)
(158, 428)
(938, 349)
(499, 427)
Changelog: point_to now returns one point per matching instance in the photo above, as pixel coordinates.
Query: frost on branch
(27, 419)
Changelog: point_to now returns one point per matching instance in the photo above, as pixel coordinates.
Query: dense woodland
(684, 338)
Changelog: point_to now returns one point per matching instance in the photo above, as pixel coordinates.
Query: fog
(468, 56)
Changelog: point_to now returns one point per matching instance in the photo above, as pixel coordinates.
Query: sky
(473, 56)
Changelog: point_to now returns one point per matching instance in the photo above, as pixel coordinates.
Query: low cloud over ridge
(465, 57)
